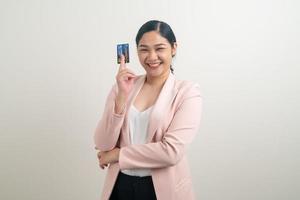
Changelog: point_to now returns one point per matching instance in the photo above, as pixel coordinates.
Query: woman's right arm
(108, 128)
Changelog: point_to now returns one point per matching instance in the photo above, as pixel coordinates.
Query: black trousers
(133, 188)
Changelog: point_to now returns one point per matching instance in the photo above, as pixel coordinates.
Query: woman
(147, 123)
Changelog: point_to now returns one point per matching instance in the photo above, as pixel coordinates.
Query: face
(155, 54)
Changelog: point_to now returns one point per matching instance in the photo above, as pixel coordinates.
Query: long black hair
(162, 28)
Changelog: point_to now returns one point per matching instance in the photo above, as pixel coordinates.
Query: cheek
(167, 58)
(165, 55)
(141, 56)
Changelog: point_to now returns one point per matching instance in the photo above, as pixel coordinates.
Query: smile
(153, 65)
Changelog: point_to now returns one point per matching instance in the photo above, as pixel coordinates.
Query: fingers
(125, 74)
(122, 63)
(126, 70)
(101, 157)
(103, 166)
(99, 154)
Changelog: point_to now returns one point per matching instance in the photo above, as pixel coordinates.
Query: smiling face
(155, 54)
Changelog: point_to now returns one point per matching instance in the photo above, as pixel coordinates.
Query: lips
(154, 65)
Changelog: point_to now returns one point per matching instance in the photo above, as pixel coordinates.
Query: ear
(174, 49)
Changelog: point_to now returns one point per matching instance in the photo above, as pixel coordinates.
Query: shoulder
(187, 88)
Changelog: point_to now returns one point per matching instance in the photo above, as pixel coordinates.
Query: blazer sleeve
(171, 148)
(108, 128)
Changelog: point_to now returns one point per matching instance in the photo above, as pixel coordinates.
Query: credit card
(123, 49)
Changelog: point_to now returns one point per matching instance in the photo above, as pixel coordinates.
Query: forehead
(153, 38)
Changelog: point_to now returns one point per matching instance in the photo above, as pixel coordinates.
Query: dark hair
(162, 28)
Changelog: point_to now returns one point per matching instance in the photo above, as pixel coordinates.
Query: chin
(153, 74)
(157, 73)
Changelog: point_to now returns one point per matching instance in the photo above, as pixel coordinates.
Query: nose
(152, 55)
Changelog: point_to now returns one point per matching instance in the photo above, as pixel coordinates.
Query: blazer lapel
(164, 100)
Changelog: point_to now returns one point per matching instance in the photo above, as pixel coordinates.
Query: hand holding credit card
(125, 79)
(123, 49)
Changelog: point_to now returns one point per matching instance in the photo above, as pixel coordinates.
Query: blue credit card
(123, 49)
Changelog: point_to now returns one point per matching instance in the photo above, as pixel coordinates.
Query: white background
(58, 62)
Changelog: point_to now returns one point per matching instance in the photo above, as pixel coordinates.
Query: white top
(138, 126)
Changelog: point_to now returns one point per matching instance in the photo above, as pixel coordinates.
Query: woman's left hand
(107, 157)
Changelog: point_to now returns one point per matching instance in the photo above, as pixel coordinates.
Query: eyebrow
(160, 44)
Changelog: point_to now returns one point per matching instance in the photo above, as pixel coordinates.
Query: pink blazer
(173, 124)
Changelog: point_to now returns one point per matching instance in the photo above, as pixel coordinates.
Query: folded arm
(171, 148)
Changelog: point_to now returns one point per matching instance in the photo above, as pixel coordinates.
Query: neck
(157, 81)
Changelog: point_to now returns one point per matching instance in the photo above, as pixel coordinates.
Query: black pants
(133, 188)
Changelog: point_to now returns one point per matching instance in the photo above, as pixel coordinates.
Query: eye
(160, 49)
(143, 50)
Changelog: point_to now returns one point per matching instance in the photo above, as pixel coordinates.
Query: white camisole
(138, 126)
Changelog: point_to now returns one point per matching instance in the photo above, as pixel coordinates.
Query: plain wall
(58, 62)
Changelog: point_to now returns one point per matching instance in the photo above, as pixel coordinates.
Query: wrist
(118, 154)
(115, 155)
(120, 104)
(121, 96)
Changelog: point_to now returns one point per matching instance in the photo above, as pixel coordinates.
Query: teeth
(153, 64)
